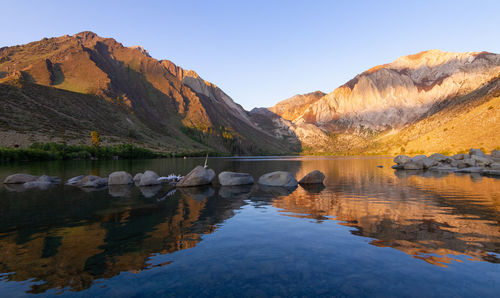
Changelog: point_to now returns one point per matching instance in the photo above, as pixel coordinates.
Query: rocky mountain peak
(141, 50)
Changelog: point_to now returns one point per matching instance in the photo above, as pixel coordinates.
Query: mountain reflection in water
(65, 238)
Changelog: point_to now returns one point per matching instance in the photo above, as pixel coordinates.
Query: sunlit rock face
(395, 94)
(389, 98)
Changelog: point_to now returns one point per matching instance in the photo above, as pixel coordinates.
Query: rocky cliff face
(391, 97)
(398, 93)
(163, 103)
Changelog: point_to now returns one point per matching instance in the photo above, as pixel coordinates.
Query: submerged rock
(198, 176)
(231, 178)
(43, 182)
(495, 166)
(314, 177)
(120, 178)
(19, 179)
(491, 172)
(75, 180)
(470, 170)
(278, 178)
(91, 181)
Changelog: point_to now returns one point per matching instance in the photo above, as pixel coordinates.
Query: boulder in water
(314, 177)
(278, 178)
(198, 176)
(120, 178)
(19, 179)
(231, 178)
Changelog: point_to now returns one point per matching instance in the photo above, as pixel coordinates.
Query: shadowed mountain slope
(164, 105)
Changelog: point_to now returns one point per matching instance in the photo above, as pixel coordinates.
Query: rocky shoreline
(476, 161)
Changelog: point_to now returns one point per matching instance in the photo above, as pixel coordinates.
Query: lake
(369, 231)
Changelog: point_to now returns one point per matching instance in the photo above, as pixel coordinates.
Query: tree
(96, 142)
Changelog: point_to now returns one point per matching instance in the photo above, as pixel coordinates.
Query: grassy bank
(56, 151)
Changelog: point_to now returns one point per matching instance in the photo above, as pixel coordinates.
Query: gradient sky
(261, 52)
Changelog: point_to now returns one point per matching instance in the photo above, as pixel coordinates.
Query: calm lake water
(369, 231)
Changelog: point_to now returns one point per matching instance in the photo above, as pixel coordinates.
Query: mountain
(60, 89)
(449, 98)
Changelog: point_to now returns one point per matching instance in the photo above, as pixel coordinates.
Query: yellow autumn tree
(95, 138)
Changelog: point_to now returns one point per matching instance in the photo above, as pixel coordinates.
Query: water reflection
(70, 242)
(67, 238)
(431, 216)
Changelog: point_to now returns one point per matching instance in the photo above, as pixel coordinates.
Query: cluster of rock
(120, 182)
(201, 176)
(30, 181)
(474, 162)
(147, 178)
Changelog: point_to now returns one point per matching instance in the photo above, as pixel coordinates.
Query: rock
(38, 184)
(491, 172)
(428, 162)
(314, 177)
(74, 180)
(482, 161)
(402, 159)
(414, 165)
(94, 182)
(477, 152)
(137, 178)
(398, 167)
(43, 182)
(438, 157)
(120, 178)
(278, 178)
(87, 179)
(149, 178)
(461, 156)
(19, 179)
(451, 162)
(461, 164)
(418, 158)
(470, 170)
(198, 176)
(48, 179)
(313, 188)
(495, 153)
(495, 166)
(469, 162)
(231, 178)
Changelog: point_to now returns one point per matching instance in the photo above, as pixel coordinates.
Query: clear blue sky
(261, 52)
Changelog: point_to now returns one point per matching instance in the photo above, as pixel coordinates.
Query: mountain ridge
(388, 98)
(166, 99)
